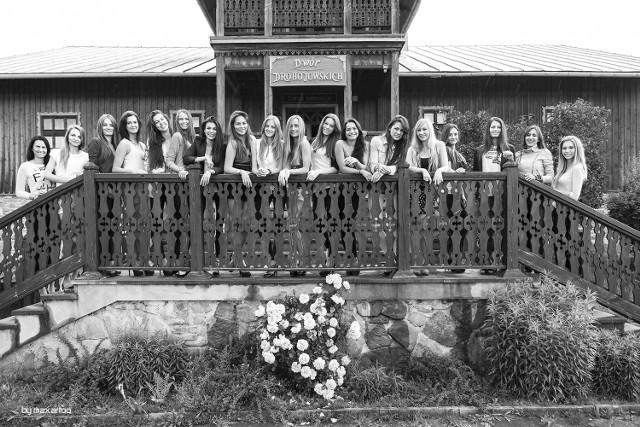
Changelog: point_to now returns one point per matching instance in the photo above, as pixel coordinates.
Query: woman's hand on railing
(246, 179)
(507, 155)
(376, 176)
(183, 174)
(206, 177)
(366, 174)
(437, 177)
(283, 176)
(461, 170)
(312, 175)
(426, 177)
(384, 169)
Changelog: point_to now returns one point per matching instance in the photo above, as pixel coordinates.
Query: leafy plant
(133, 360)
(541, 342)
(616, 371)
(625, 205)
(160, 387)
(374, 383)
(591, 124)
(300, 338)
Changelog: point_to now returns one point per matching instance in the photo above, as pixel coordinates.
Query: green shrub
(625, 205)
(541, 342)
(374, 383)
(590, 124)
(616, 371)
(133, 359)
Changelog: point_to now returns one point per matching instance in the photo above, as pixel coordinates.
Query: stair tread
(59, 296)
(35, 309)
(8, 323)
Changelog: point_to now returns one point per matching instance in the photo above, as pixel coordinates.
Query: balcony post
(195, 224)
(91, 223)
(404, 222)
(511, 223)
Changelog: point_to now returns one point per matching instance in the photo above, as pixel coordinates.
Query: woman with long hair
(427, 154)
(352, 157)
(495, 150)
(237, 161)
(296, 160)
(208, 151)
(185, 132)
(68, 162)
(266, 159)
(535, 162)
(131, 154)
(388, 151)
(572, 167)
(451, 136)
(30, 179)
(102, 148)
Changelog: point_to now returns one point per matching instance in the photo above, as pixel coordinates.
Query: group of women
(337, 148)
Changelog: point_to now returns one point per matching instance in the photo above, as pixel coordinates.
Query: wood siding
(22, 100)
(512, 97)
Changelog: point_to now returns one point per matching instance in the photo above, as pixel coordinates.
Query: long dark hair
(217, 151)
(124, 133)
(156, 158)
(100, 133)
(31, 155)
(541, 144)
(502, 144)
(454, 156)
(330, 142)
(398, 148)
(360, 146)
(243, 142)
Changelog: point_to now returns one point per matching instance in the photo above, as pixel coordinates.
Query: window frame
(547, 112)
(434, 111)
(54, 133)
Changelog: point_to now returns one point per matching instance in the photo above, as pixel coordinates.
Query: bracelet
(269, 170)
(538, 178)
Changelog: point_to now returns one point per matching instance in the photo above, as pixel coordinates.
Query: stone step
(8, 335)
(32, 322)
(62, 308)
(613, 322)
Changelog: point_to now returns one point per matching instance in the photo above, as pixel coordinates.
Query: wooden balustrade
(38, 236)
(244, 17)
(371, 16)
(579, 244)
(290, 16)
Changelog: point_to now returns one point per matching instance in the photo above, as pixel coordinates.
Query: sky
(28, 26)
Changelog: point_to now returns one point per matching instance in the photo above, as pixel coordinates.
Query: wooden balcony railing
(339, 222)
(247, 17)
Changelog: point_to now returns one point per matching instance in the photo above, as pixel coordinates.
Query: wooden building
(310, 58)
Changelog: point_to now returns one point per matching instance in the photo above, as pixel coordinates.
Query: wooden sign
(316, 70)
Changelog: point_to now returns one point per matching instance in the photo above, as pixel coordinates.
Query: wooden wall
(511, 97)
(22, 100)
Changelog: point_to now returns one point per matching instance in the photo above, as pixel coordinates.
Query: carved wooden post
(195, 224)
(404, 231)
(511, 222)
(91, 221)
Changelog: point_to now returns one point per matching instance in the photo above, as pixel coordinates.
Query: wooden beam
(268, 90)
(348, 90)
(395, 16)
(268, 18)
(395, 83)
(220, 89)
(348, 18)
(220, 18)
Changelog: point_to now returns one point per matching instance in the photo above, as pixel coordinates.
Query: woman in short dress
(296, 156)
(237, 161)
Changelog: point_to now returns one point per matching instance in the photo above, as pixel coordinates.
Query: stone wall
(390, 328)
(9, 203)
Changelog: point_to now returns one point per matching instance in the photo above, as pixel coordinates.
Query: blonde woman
(572, 167)
(68, 162)
(426, 154)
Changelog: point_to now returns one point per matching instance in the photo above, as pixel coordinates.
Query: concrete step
(8, 335)
(32, 322)
(61, 307)
(613, 322)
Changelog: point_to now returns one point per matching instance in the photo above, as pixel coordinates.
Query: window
(198, 117)
(53, 126)
(547, 114)
(436, 114)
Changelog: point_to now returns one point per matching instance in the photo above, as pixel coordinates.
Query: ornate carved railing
(41, 242)
(580, 245)
(244, 17)
(371, 16)
(291, 16)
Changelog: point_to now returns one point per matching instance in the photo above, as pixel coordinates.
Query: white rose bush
(301, 334)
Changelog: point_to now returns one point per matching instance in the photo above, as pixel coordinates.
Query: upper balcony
(237, 18)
